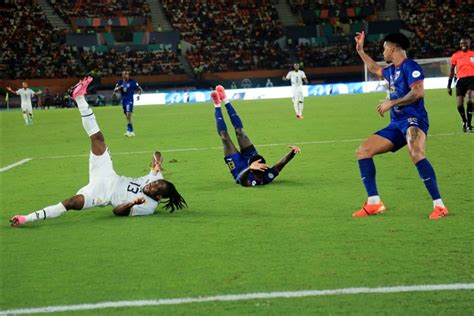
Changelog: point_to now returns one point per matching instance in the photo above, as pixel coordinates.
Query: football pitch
(296, 234)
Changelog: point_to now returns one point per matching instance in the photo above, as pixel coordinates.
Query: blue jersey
(127, 90)
(268, 176)
(400, 80)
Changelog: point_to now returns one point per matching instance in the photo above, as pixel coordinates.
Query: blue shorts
(127, 106)
(239, 161)
(396, 131)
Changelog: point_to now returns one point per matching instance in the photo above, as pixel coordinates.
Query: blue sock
(129, 127)
(367, 173)
(234, 117)
(428, 176)
(221, 127)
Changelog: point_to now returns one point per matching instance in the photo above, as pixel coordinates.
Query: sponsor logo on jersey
(416, 74)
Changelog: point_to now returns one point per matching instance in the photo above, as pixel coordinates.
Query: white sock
(46, 213)
(301, 108)
(217, 105)
(295, 106)
(88, 118)
(373, 199)
(25, 117)
(438, 202)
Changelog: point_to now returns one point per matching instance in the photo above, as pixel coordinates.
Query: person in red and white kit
(129, 196)
(297, 77)
(463, 62)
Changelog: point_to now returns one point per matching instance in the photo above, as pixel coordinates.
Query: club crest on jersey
(270, 175)
(412, 121)
(416, 74)
(397, 74)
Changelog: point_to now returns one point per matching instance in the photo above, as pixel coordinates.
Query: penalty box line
(318, 142)
(242, 297)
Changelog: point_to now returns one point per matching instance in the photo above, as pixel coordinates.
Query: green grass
(295, 234)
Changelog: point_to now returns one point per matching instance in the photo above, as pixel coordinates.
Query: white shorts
(297, 94)
(102, 180)
(27, 108)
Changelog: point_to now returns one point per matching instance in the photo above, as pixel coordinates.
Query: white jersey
(128, 189)
(296, 78)
(25, 95)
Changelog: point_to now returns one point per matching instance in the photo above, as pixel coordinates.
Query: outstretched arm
(11, 90)
(124, 209)
(38, 92)
(450, 80)
(371, 64)
(286, 159)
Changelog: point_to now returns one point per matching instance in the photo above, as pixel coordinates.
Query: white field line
(220, 147)
(241, 297)
(13, 165)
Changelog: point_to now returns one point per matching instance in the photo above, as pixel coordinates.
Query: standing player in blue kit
(408, 125)
(127, 88)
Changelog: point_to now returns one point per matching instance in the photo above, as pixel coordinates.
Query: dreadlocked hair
(175, 200)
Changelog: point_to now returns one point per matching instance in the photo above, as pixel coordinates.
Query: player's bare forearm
(11, 90)
(283, 161)
(371, 64)
(287, 158)
(417, 92)
(125, 208)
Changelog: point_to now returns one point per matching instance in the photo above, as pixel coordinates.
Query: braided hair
(175, 200)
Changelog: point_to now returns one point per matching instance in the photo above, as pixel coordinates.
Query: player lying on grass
(247, 167)
(408, 123)
(128, 196)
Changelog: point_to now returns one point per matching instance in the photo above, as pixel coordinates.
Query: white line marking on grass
(13, 165)
(241, 297)
(220, 147)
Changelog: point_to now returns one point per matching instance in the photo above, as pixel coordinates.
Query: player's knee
(363, 152)
(99, 137)
(224, 135)
(417, 154)
(74, 203)
(239, 132)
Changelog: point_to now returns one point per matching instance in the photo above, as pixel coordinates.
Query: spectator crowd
(229, 36)
(93, 8)
(437, 25)
(224, 36)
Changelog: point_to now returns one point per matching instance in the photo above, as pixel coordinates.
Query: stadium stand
(316, 12)
(228, 39)
(93, 8)
(427, 19)
(31, 47)
(113, 62)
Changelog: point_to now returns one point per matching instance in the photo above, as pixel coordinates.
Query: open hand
(139, 200)
(295, 149)
(258, 165)
(384, 107)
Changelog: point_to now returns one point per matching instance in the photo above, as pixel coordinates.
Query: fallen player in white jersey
(128, 196)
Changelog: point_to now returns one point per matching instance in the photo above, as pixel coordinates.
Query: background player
(409, 122)
(128, 196)
(26, 94)
(297, 77)
(247, 167)
(463, 62)
(127, 88)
